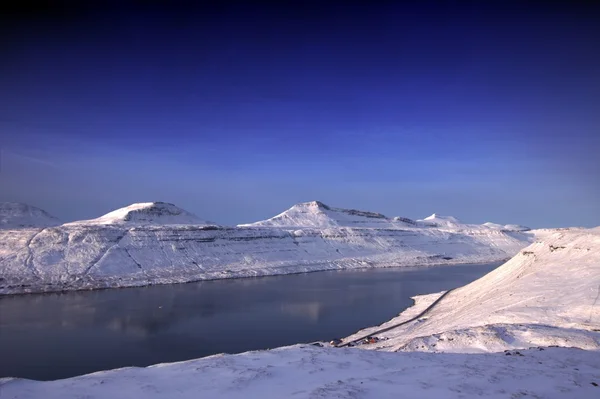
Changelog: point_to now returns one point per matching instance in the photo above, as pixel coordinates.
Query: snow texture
(158, 243)
(310, 372)
(146, 213)
(547, 295)
(317, 214)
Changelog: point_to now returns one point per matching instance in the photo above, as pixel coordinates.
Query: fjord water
(52, 336)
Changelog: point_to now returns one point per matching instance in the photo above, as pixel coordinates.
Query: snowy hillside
(548, 294)
(545, 296)
(159, 243)
(305, 371)
(14, 215)
(436, 220)
(147, 213)
(317, 214)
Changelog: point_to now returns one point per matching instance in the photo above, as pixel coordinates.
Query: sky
(235, 112)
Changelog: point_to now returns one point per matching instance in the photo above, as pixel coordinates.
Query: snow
(14, 215)
(436, 220)
(530, 328)
(158, 243)
(548, 294)
(317, 214)
(305, 371)
(147, 213)
(436, 217)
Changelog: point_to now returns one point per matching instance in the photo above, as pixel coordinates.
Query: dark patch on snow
(367, 214)
(405, 220)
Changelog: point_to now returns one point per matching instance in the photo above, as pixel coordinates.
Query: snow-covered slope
(310, 372)
(436, 220)
(548, 294)
(138, 245)
(15, 215)
(317, 214)
(147, 213)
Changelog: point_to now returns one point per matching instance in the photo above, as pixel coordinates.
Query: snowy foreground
(310, 372)
(530, 328)
(159, 243)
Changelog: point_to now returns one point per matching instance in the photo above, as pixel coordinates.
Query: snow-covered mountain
(436, 220)
(317, 214)
(155, 243)
(146, 213)
(548, 294)
(15, 215)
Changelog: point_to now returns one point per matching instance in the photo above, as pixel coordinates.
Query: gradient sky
(235, 113)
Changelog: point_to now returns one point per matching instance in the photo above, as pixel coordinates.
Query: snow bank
(310, 372)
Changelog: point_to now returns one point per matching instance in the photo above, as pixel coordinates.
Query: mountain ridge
(21, 215)
(147, 213)
(311, 214)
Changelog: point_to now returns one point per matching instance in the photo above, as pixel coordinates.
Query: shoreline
(66, 289)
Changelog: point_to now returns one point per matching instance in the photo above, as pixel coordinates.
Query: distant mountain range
(317, 214)
(14, 215)
(157, 243)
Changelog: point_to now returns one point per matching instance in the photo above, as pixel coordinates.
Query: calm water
(53, 336)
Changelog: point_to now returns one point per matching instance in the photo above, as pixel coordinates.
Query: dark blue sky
(236, 112)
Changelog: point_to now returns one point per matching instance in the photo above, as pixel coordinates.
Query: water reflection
(58, 335)
(309, 310)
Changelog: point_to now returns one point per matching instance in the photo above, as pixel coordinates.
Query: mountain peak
(18, 215)
(316, 214)
(313, 204)
(437, 220)
(147, 213)
(437, 216)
